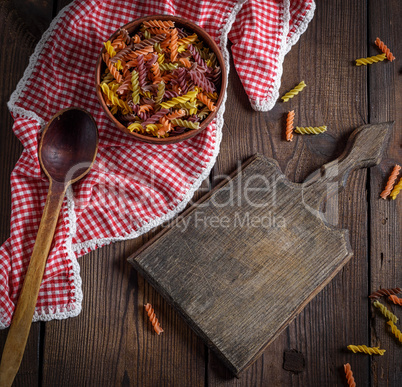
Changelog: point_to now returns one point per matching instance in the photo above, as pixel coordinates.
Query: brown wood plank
(336, 96)
(19, 33)
(140, 357)
(112, 341)
(229, 277)
(385, 98)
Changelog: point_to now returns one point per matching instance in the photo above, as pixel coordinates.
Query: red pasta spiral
(289, 125)
(153, 319)
(349, 375)
(390, 183)
(385, 292)
(384, 49)
(173, 45)
(395, 299)
(159, 23)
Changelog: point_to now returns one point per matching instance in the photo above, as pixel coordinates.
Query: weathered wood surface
(244, 261)
(111, 342)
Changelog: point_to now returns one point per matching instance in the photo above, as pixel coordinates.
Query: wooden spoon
(67, 151)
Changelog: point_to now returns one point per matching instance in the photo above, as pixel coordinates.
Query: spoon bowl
(68, 145)
(67, 151)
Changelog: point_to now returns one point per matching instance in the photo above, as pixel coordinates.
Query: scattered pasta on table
(294, 91)
(391, 181)
(349, 375)
(385, 292)
(366, 350)
(152, 317)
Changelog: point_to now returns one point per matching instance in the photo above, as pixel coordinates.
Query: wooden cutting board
(247, 258)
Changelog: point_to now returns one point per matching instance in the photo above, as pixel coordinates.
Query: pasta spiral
(153, 319)
(180, 99)
(384, 49)
(310, 129)
(367, 350)
(206, 101)
(109, 48)
(173, 45)
(349, 375)
(187, 40)
(385, 311)
(136, 87)
(385, 292)
(396, 300)
(114, 100)
(176, 114)
(396, 189)
(390, 183)
(185, 123)
(289, 125)
(293, 92)
(159, 23)
(397, 333)
(370, 60)
(113, 70)
(135, 126)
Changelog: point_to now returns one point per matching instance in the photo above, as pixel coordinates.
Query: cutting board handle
(364, 149)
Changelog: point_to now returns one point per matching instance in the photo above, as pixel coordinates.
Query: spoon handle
(21, 323)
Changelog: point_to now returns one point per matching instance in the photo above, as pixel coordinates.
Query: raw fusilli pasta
(157, 72)
(370, 60)
(293, 92)
(385, 311)
(349, 375)
(153, 319)
(367, 350)
(390, 183)
(385, 292)
(310, 129)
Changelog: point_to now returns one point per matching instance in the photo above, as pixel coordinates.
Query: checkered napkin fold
(132, 186)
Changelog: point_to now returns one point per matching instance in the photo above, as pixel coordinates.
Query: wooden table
(110, 342)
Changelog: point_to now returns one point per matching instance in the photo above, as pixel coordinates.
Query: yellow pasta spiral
(114, 99)
(385, 311)
(367, 350)
(135, 126)
(395, 331)
(293, 92)
(187, 40)
(109, 48)
(396, 190)
(180, 99)
(310, 129)
(370, 60)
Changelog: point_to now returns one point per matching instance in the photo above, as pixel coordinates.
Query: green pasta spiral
(310, 129)
(136, 87)
(293, 92)
(185, 123)
(168, 66)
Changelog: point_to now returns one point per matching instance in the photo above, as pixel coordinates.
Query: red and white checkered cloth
(133, 186)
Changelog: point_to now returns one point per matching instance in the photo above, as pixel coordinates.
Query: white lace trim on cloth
(264, 105)
(63, 312)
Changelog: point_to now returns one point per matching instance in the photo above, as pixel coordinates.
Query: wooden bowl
(208, 42)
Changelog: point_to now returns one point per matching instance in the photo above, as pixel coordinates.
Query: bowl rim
(131, 26)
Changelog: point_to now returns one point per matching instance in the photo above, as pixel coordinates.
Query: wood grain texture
(86, 350)
(18, 37)
(240, 266)
(385, 101)
(112, 341)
